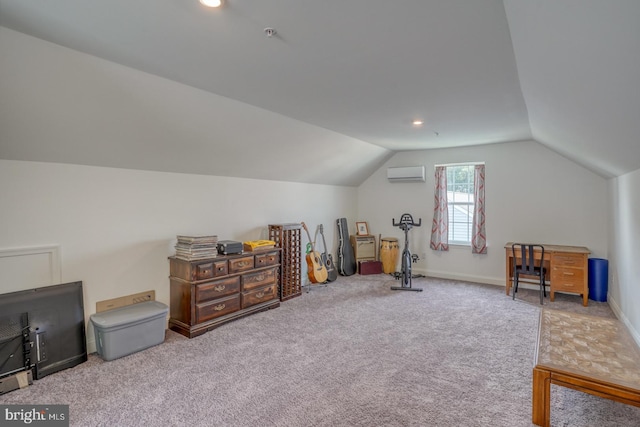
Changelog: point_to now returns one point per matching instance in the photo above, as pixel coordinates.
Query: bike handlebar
(405, 220)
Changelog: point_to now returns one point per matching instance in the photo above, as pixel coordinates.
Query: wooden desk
(595, 355)
(567, 269)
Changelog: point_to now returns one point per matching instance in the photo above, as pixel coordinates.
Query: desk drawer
(569, 260)
(568, 279)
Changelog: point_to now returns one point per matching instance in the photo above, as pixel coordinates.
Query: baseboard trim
(461, 277)
(475, 279)
(620, 315)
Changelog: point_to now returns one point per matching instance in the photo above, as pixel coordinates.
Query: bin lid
(130, 313)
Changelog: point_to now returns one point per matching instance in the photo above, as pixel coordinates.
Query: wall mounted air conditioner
(406, 173)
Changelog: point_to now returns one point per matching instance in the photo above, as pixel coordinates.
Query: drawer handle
(261, 261)
(220, 288)
(260, 295)
(566, 273)
(220, 268)
(259, 278)
(219, 307)
(242, 263)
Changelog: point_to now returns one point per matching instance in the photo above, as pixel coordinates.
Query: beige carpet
(353, 353)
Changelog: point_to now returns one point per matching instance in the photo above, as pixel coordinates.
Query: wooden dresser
(567, 269)
(209, 292)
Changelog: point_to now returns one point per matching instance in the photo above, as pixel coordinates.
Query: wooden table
(595, 355)
(567, 269)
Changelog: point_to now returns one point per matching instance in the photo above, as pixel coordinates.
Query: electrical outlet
(143, 298)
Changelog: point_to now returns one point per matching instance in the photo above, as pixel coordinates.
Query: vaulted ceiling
(350, 77)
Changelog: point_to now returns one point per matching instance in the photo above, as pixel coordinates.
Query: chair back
(527, 256)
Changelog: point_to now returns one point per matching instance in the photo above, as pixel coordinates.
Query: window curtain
(478, 239)
(440, 225)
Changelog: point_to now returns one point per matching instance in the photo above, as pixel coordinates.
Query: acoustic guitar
(327, 259)
(316, 270)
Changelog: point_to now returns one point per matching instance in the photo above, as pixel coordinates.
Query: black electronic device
(229, 247)
(42, 329)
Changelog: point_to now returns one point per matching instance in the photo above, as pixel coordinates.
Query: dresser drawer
(256, 296)
(220, 268)
(259, 278)
(217, 289)
(569, 260)
(220, 307)
(192, 271)
(265, 260)
(237, 265)
(202, 271)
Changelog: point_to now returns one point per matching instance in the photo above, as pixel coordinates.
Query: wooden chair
(527, 266)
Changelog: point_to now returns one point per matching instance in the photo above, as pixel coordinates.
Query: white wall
(116, 227)
(532, 194)
(624, 247)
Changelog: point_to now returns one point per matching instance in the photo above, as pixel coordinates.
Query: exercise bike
(406, 223)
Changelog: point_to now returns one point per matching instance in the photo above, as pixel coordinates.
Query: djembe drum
(389, 254)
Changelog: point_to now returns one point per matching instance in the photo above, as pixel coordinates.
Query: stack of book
(196, 247)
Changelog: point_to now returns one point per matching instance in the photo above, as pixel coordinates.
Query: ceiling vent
(406, 173)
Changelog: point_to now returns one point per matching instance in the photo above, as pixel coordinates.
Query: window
(459, 208)
(460, 203)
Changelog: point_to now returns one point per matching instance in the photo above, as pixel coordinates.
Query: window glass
(460, 203)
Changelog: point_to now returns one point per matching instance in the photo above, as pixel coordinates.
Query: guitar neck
(313, 248)
(324, 243)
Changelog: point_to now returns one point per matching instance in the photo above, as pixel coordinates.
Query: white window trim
(461, 243)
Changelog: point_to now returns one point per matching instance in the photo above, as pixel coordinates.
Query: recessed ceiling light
(211, 3)
(418, 122)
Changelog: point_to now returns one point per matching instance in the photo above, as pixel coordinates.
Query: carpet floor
(353, 353)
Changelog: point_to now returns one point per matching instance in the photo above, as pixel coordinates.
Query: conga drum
(389, 254)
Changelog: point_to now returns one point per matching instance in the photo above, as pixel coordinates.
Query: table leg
(541, 397)
(509, 271)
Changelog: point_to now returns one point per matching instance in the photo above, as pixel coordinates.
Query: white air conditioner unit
(407, 173)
